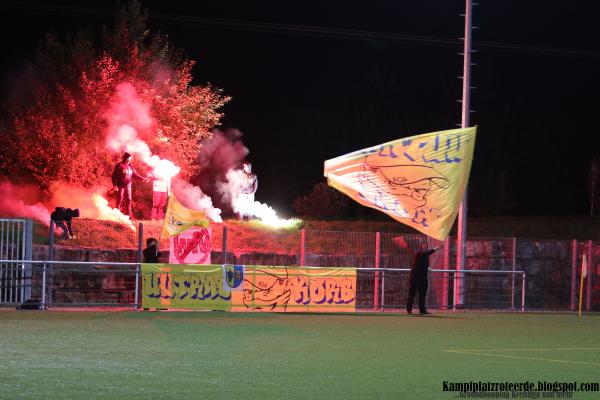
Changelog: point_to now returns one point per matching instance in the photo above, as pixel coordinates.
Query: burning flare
(233, 191)
(107, 213)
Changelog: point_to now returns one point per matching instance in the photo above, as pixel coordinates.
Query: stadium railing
(72, 283)
(64, 283)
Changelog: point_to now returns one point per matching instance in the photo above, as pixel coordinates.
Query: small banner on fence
(191, 246)
(419, 180)
(277, 289)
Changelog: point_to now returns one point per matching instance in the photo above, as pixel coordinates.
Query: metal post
(514, 265)
(376, 288)
(383, 290)
(446, 274)
(27, 241)
(12, 269)
(137, 286)
(140, 242)
(523, 294)
(51, 258)
(454, 291)
(44, 285)
(588, 304)
(51, 242)
(302, 248)
(2, 268)
(224, 244)
(573, 273)
(461, 247)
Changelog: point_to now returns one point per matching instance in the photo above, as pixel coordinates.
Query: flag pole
(461, 245)
(164, 222)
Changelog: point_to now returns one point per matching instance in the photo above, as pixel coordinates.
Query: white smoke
(232, 192)
(192, 197)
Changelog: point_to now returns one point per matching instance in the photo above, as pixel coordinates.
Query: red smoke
(22, 201)
(25, 201)
(127, 108)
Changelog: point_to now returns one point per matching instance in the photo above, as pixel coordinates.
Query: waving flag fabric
(419, 180)
(178, 218)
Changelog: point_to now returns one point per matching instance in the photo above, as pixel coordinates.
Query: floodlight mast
(461, 245)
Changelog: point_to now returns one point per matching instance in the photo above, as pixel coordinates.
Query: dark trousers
(159, 201)
(65, 230)
(124, 199)
(417, 286)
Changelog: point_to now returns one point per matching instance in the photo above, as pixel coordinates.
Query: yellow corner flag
(419, 180)
(178, 218)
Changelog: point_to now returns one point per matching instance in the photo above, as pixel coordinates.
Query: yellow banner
(281, 289)
(419, 180)
(178, 218)
(248, 288)
(184, 286)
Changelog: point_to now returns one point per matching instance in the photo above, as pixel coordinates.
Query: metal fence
(552, 266)
(14, 245)
(61, 283)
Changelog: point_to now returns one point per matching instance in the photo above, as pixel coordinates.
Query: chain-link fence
(552, 267)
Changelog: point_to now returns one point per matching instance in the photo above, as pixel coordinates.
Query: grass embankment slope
(253, 236)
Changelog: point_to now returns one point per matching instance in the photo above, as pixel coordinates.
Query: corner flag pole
(583, 275)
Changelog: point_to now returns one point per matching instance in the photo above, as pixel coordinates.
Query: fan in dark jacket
(417, 278)
(62, 219)
(121, 179)
(151, 251)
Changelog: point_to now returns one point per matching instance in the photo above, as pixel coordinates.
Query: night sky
(313, 80)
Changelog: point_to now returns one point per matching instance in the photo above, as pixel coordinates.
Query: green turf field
(217, 355)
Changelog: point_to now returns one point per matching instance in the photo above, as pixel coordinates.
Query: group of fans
(122, 178)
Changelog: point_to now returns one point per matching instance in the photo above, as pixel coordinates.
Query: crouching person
(62, 218)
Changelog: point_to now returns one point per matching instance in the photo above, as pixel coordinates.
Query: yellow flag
(419, 180)
(178, 218)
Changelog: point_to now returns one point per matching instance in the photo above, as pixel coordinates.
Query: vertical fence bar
(140, 243)
(21, 268)
(44, 285)
(137, 267)
(454, 290)
(2, 267)
(51, 241)
(588, 304)
(51, 266)
(137, 286)
(523, 294)
(573, 272)
(302, 247)
(376, 273)
(28, 255)
(224, 244)
(11, 284)
(383, 290)
(445, 282)
(514, 267)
